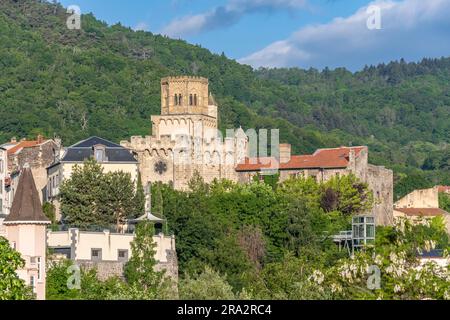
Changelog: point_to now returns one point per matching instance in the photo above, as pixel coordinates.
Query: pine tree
(140, 269)
(139, 199)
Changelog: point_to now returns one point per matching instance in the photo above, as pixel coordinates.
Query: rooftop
(425, 212)
(321, 159)
(444, 189)
(84, 150)
(26, 206)
(14, 147)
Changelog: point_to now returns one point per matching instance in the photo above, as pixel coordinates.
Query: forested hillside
(104, 80)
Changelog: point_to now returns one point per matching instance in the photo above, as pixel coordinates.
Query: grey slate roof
(26, 206)
(92, 141)
(85, 149)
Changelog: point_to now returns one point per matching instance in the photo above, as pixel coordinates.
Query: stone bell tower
(185, 137)
(187, 109)
(186, 95)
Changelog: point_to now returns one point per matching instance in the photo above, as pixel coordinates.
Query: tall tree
(139, 197)
(140, 269)
(82, 194)
(119, 203)
(91, 198)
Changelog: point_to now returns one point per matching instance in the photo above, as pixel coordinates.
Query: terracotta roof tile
(22, 144)
(443, 189)
(321, 159)
(426, 212)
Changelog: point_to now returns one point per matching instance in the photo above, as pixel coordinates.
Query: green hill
(105, 80)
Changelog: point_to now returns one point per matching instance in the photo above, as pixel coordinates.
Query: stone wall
(427, 198)
(39, 158)
(381, 182)
(81, 243)
(105, 269)
(109, 269)
(213, 159)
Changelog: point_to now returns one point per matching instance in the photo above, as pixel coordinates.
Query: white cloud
(141, 26)
(411, 29)
(227, 15)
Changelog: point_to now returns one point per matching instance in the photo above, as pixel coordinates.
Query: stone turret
(26, 231)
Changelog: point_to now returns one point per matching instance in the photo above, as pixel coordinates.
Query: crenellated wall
(185, 137)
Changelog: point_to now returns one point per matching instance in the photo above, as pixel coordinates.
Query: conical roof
(26, 207)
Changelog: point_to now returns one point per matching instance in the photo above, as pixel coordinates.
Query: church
(185, 137)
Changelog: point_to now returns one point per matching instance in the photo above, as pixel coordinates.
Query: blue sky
(292, 33)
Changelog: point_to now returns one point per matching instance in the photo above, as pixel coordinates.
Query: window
(1, 166)
(191, 101)
(1, 189)
(180, 100)
(33, 283)
(195, 99)
(39, 265)
(13, 245)
(176, 100)
(99, 154)
(57, 180)
(122, 255)
(50, 188)
(96, 254)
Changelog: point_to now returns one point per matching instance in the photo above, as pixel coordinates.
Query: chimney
(40, 139)
(13, 140)
(285, 153)
(352, 157)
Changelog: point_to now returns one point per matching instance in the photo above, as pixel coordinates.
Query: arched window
(195, 99)
(176, 100)
(180, 100)
(191, 101)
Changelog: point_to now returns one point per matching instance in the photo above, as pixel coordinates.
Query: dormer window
(99, 153)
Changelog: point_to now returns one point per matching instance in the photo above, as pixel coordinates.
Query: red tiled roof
(322, 158)
(444, 189)
(23, 144)
(426, 212)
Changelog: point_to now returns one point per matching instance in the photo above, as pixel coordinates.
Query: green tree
(139, 197)
(444, 201)
(347, 195)
(11, 286)
(209, 285)
(81, 197)
(120, 195)
(56, 282)
(49, 211)
(91, 198)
